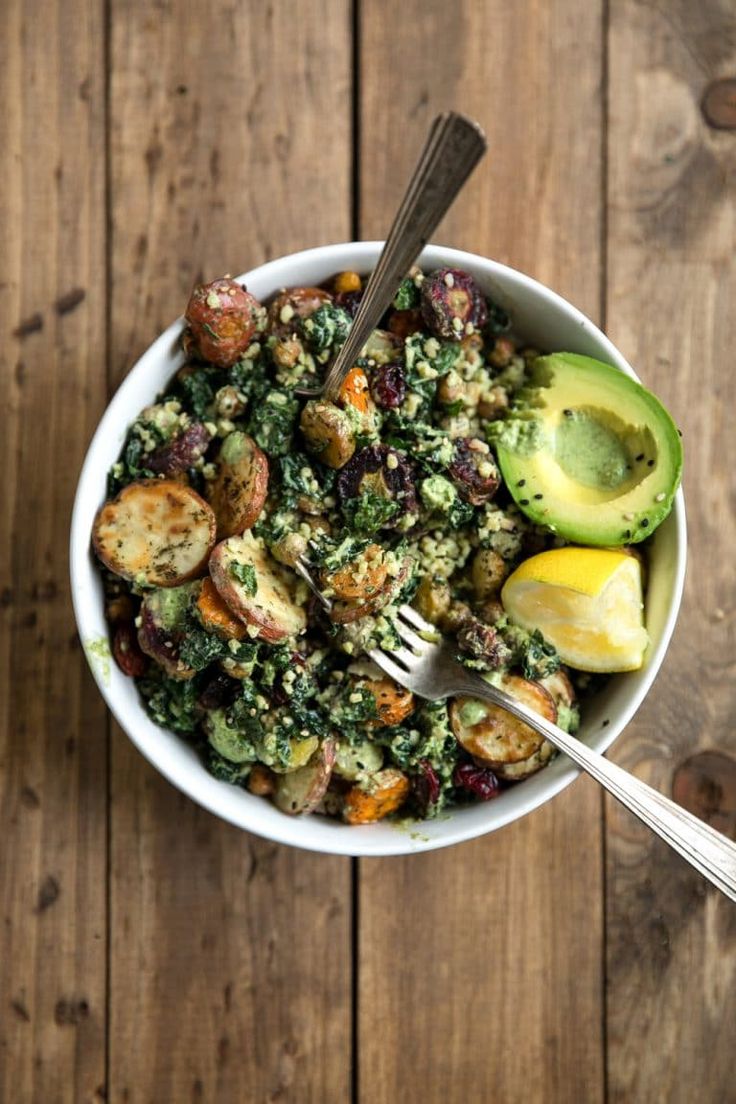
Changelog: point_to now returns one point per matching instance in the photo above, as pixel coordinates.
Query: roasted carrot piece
(393, 702)
(348, 281)
(378, 797)
(215, 614)
(355, 390)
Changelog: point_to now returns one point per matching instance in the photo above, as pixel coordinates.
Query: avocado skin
(561, 385)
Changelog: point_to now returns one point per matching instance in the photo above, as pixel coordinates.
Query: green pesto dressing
(522, 436)
(589, 452)
(98, 652)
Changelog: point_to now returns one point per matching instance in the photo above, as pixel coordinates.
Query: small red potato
(222, 319)
(238, 491)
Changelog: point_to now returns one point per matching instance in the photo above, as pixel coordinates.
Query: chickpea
(289, 548)
(287, 352)
(502, 352)
(261, 781)
(493, 401)
(488, 573)
(229, 402)
(432, 598)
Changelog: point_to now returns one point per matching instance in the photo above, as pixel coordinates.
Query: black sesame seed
(644, 523)
(627, 534)
(523, 501)
(640, 457)
(521, 483)
(680, 432)
(539, 497)
(650, 463)
(567, 413)
(606, 722)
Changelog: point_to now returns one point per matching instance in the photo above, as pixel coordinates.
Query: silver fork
(427, 666)
(453, 148)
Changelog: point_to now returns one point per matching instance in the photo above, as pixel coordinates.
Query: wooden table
(150, 953)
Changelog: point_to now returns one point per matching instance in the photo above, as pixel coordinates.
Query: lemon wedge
(587, 602)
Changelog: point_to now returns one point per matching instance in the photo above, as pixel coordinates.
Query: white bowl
(545, 320)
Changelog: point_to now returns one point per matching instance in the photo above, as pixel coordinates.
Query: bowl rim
(343, 839)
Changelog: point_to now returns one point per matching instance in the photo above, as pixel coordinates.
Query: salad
(504, 493)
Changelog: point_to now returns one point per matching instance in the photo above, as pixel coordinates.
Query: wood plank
(671, 295)
(53, 743)
(487, 958)
(230, 965)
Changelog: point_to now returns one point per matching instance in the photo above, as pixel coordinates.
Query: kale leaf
(245, 574)
(407, 297)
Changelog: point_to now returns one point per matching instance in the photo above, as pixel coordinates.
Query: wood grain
(230, 967)
(52, 724)
(487, 957)
(671, 295)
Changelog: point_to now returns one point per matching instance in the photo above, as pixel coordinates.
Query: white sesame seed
(628, 517)
(392, 461)
(457, 324)
(286, 313)
(660, 497)
(449, 280)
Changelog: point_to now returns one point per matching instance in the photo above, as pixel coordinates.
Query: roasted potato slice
(560, 687)
(377, 797)
(215, 614)
(156, 532)
(493, 736)
(256, 588)
(301, 790)
(514, 772)
(238, 491)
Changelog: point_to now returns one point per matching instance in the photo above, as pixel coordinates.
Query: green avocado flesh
(589, 452)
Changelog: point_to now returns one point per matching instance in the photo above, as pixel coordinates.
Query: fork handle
(454, 146)
(710, 852)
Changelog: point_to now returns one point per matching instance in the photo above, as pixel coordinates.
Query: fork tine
(409, 637)
(411, 615)
(392, 669)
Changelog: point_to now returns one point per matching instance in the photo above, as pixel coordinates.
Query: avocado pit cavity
(597, 449)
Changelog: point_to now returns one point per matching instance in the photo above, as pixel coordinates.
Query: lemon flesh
(587, 602)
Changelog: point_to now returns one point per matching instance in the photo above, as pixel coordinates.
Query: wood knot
(705, 785)
(719, 104)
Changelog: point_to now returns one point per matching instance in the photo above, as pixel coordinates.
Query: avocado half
(589, 452)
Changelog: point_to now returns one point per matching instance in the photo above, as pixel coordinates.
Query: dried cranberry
(451, 300)
(181, 452)
(388, 386)
(425, 786)
(126, 650)
(349, 301)
(474, 472)
(480, 781)
(220, 691)
(372, 470)
(483, 642)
